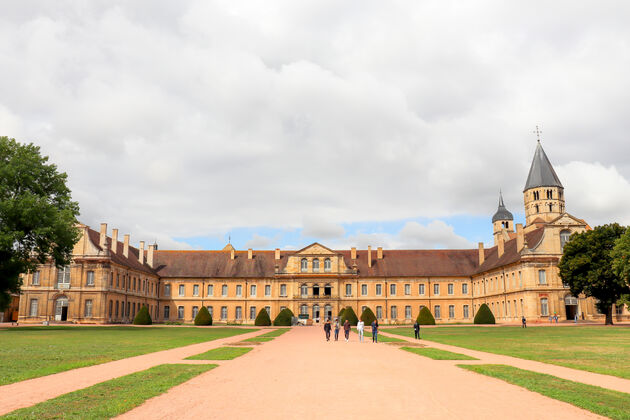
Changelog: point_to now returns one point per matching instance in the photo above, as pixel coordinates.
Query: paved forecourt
(299, 374)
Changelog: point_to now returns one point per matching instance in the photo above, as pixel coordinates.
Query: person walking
(524, 322)
(327, 328)
(336, 329)
(346, 329)
(375, 331)
(416, 330)
(360, 325)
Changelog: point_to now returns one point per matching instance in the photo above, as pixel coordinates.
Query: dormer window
(304, 265)
(327, 265)
(315, 265)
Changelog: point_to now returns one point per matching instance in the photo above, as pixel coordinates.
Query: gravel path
(300, 375)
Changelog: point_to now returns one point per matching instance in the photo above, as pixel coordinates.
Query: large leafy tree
(621, 262)
(37, 214)
(587, 267)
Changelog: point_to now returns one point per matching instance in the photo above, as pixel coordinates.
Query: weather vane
(538, 133)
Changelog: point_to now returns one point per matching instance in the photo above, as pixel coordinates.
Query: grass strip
(437, 354)
(367, 334)
(275, 333)
(259, 339)
(222, 353)
(114, 397)
(605, 402)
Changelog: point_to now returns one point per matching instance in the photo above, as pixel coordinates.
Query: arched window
(327, 265)
(304, 290)
(316, 290)
(303, 309)
(550, 207)
(315, 265)
(304, 265)
(565, 235)
(537, 208)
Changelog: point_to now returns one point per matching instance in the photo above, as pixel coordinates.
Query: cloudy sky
(279, 123)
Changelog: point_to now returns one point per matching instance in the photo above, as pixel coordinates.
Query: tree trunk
(609, 317)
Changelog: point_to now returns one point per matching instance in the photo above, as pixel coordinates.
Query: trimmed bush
(262, 319)
(143, 317)
(349, 314)
(341, 313)
(368, 316)
(425, 317)
(203, 317)
(484, 315)
(284, 318)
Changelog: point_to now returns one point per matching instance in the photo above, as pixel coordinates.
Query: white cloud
(321, 229)
(259, 242)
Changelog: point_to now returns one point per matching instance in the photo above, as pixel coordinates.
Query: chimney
(232, 253)
(500, 247)
(126, 246)
(150, 255)
(482, 254)
(103, 239)
(277, 253)
(141, 253)
(114, 240)
(520, 237)
(369, 256)
(379, 253)
(353, 253)
(249, 253)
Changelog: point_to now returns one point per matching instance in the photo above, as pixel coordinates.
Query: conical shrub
(368, 316)
(283, 319)
(425, 317)
(262, 319)
(203, 317)
(143, 317)
(341, 313)
(484, 315)
(349, 314)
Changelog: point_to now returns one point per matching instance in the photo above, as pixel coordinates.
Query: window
(134, 284)
(268, 309)
(379, 289)
(437, 311)
(267, 290)
(537, 208)
(111, 308)
(180, 312)
(117, 306)
(88, 308)
(195, 311)
(520, 279)
(182, 289)
(33, 307)
(239, 290)
(348, 290)
(466, 314)
(327, 265)
(303, 309)
(304, 290)
(363, 308)
(167, 290)
(210, 290)
(451, 311)
(210, 310)
(464, 288)
(550, 207)
(118, 280)
(252, 312)
(224, 290)
(63, 275)
(316, 265)
(450, 288)
(283, 290)
(407, 289)
(392, 290)
(544, 307)
(364, 291)
(542, 277)
(421, 289)
(252, 290)
(618, 309)
(379, 312)
(436, 289)
(35, 281)
(304, 265)
(407, 312)
(564, 237)
(394, 312)
(196, 290)
(224, 313)
(239, 313)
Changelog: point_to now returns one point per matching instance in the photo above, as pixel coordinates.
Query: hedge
(368, 316)
(262, 319)
(284, 318)
(348, 314)
(425, 317)
(484, 315)
(143, 317)
(203, 317)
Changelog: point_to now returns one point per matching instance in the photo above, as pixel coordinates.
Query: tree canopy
(586, 267)
(37, 214)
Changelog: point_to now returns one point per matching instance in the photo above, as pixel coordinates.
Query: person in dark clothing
(416, 330)
(346, 329)
(524, 321)
(374, 331)
(327, 328)
(336, 329)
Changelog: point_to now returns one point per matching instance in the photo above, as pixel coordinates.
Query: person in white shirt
(360, 325)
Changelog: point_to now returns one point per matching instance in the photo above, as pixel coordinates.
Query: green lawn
(31, 352)
(222, 353)
(437, 354)
(275, 333)
(592, 348)
(114, 397)
(367, 335)
(605, 402)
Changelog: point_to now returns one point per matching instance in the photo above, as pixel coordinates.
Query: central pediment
(315, 259)
(315, 249)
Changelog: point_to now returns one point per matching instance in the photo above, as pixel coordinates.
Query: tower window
(550, 207)
(537, 208)
(536, 195)
(549, 194)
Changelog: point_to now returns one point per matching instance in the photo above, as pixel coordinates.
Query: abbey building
(109, 280)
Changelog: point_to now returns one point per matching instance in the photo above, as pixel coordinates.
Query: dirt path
(604, 381)
(33, 391)
(300, 375)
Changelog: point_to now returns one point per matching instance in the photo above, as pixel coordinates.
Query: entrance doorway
(328, 312)
(61, 309)
(571, 306)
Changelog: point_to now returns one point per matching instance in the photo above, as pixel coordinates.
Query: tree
(262, 319)
(425, 317)
(621, 256)
(350, 315)
(484, 315)
(143, 317)
(368, 316)
(37, 215)
(203, 317)
(586, 267)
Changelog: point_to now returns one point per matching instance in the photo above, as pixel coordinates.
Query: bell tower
(501, 220)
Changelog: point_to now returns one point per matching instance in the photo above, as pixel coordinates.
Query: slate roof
(510, 254)
(541, 173)
(502, 212)
(131, 261)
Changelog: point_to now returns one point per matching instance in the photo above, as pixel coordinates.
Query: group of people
(360, 328)
(328, 328)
